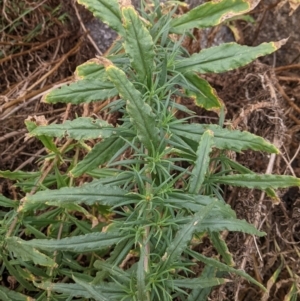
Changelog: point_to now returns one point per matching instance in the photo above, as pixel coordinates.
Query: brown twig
(287, 67)
(289, 78)
(11, 134)
(85, 30)
(12, 56)
(284, 95)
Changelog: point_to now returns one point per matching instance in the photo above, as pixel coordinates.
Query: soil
(263, 98)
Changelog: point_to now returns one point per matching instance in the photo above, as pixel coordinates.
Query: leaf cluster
(155, 189)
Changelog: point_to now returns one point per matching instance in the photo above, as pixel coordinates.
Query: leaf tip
(280, 43)
(124, 3)
(104, 61)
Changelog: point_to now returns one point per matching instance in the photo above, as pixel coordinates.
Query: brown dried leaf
(294, 4)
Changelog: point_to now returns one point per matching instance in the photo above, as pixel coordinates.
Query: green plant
(157, 189)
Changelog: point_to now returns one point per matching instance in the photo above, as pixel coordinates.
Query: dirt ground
(263, 98)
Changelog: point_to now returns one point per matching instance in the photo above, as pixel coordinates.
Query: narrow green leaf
(32, 123)
(224, 138)
(218, 223)
(293, 293)
(221, 247)
(257, 181)
(202, 92)
(109, 290)
(211, 13)
(19, 175)
(141, 285)
(14, 273)
(66, 289)
(108, 11)
(113, 270)
(202, 162)
(8, 203)
(197, 203)
(81, 243)
(140, 113)
(138, 43)
(272, 280)
(225, 57)
(86, 194)
(28, 253)
(223, 267)
(82, 91)
(91, 289)
(7, 294)
(195, 282)
(220, 209)
(80, 128)
(198, 294)
(184, 236)
(244, 170)
(101, 153)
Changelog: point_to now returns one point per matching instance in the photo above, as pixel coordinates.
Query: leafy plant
(156, 178)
